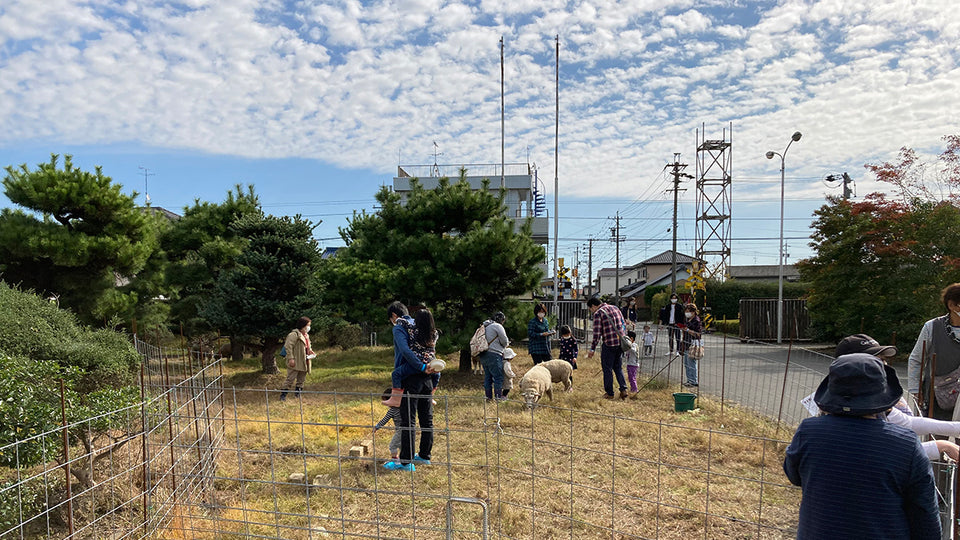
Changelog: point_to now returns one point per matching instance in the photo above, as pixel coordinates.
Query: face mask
(307, 329)
(689, 314)
(673, 300)
(541, 315)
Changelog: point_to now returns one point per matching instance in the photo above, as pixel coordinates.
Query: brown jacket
(296, 346)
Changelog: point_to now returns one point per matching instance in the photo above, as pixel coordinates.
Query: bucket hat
(509, 354)
(858, 384)
(862, 343)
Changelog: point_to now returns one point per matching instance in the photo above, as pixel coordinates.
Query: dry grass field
(578, 467)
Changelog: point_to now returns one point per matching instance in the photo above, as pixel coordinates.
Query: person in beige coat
(299, 357)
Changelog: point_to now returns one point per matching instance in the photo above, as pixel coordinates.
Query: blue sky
(315, 103)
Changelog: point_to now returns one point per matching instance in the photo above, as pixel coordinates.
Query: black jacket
(677, 314)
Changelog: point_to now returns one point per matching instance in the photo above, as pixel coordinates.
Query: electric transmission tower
(714, 201)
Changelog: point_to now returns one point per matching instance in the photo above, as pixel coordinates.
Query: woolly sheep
(560, 371)
(534, 384)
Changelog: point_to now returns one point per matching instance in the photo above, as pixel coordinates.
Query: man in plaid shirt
(608, 325)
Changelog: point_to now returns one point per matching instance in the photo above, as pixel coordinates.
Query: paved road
(751, 374)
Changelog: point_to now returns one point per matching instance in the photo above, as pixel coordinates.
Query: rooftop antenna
(436, 153)
(146, 192)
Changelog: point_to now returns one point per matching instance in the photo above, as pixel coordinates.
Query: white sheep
(534, 384)
(560, 371)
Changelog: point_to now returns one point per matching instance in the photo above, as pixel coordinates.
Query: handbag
(625, 343)
(696, 349)
(946, 388)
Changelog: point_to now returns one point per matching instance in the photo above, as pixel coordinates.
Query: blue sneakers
(420, 460)
(397, 466)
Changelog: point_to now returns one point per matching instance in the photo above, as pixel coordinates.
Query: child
(394, 414)
(647, 341)
(568, 346)
(508, 373)
(422, 344)
(632, 359)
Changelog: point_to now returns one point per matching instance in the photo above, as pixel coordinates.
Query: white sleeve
(930, 426)
(913, 363)
(922, 425)
(930, 448)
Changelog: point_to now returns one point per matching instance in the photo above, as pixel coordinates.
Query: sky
(316, 103)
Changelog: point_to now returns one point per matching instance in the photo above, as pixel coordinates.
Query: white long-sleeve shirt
(913, 362)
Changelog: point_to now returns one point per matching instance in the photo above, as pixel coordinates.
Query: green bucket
(684, 401)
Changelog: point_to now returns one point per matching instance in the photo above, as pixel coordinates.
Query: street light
(794, 138)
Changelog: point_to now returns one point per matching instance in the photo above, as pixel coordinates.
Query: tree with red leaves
(879, 264)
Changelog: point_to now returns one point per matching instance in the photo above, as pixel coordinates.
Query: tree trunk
(236, 349)
(267, 360)
(466, 366)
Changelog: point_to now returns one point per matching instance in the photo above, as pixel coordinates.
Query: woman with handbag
(692, 344)
(938, 351)
(299, 357)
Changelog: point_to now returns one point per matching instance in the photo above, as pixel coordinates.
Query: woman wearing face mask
(691, 332)
(538, 332)
(940, 337)
(299, 356)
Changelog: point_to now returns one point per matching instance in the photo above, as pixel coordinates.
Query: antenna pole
(556, 186)
(503, 182)
(146, 192)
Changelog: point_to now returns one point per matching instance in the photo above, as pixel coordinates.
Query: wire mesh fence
(196, 460)
(769, 379)
(309, 467)
(124, 474)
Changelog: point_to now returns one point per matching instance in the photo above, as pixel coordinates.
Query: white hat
(508, 354)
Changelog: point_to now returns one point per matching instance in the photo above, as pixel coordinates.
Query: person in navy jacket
(862, 477)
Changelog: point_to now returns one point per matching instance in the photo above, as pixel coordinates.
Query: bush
(728, 326)
(336, 332)
(724, 297)
(40, 345)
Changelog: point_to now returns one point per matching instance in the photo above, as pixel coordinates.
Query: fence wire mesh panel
(308, 467)
(769, 379)
(196, 460)
(127, 473)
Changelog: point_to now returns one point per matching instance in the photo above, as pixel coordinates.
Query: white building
(524, 198)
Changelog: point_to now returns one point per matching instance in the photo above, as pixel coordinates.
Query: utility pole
(677, 174)
(615, 233)
(576, 267)
(589, 266)
(847, 192)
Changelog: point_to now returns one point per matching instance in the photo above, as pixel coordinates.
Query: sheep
(560, 371)
(534, 384)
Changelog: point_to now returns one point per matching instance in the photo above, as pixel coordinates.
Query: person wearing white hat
(508, 373)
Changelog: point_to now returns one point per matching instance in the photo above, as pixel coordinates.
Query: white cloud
(351, 82)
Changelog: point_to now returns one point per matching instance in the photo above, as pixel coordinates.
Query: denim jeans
(611, 362)
(492, 374)
(690, 368)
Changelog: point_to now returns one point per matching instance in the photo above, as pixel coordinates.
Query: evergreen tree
(272, 283)
(450, 248)
(80, 239)
(202, 245)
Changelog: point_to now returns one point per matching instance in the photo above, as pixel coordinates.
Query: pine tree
(272, 284)
(80, 239)
(450, 248)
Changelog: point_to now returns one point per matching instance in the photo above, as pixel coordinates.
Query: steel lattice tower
(714, 198)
